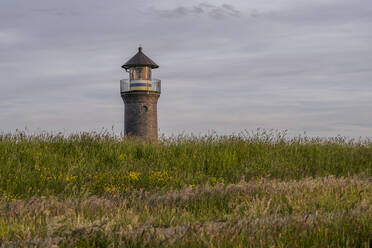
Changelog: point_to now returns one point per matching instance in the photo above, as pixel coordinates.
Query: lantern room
(139, 68)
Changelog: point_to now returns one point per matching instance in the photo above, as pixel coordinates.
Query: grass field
(247, 190)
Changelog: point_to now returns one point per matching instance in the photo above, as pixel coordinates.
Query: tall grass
(260, 189)
(322, 212)
(95, 164)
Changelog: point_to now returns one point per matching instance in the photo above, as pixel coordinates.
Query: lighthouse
(140, 94)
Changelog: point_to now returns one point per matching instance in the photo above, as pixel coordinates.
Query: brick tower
(140, 94)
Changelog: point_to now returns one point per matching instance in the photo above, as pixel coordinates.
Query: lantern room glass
(140, 73)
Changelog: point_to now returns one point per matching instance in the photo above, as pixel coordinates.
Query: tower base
(140, 114)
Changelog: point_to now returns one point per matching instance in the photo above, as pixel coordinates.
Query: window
(140, 73)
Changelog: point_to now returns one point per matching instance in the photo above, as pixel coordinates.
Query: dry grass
(260, 212)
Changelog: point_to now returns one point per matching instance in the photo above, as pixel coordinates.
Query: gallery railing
(127, 85)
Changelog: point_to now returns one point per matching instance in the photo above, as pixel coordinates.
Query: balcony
(153, 85)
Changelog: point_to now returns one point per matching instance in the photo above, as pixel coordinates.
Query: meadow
(253, 189)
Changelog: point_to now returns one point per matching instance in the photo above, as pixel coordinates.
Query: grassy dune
(247, 190)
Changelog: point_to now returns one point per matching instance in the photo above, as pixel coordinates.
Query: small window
(145, 108)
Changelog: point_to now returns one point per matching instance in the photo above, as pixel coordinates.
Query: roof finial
(140, 59)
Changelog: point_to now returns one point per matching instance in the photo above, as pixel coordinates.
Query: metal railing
(151, 85)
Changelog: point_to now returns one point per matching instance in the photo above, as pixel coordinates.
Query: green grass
(258, 190)
(88, 164)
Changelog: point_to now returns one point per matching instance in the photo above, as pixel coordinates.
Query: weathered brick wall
(141, 115)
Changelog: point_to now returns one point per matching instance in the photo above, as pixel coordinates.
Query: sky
(226, 66)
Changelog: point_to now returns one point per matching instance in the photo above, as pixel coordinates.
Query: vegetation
(256, 190)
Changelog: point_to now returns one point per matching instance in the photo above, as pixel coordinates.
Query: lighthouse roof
(140, 59)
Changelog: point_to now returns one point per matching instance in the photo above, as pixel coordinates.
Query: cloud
(207, 9)
(302, 66)
(56, 12)
(10, 37)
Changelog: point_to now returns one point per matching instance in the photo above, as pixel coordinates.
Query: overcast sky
(301, 65)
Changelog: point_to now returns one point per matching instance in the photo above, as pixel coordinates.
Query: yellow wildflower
(121, 157)
(213, 180)
(159, 177)
(134, 176)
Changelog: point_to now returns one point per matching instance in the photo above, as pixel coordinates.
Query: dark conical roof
(140, 59)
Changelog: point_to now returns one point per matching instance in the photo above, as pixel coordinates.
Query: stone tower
(140, 94)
